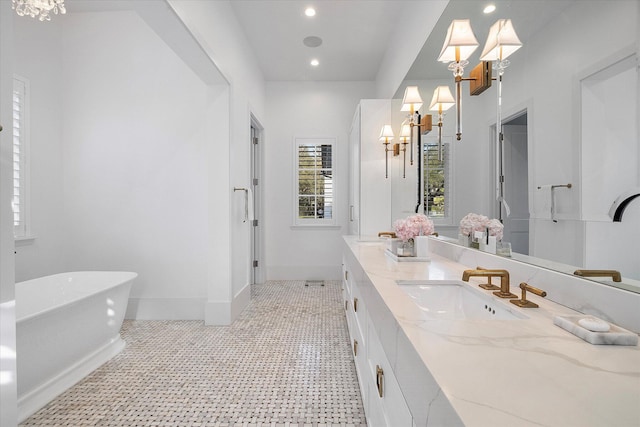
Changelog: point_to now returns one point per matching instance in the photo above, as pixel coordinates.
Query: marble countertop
(525, 372)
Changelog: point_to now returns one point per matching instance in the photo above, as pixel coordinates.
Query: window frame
(313, 222)
(23, 230)
(448, 145)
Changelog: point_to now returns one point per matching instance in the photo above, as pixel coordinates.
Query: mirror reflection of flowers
(475, 222)
(412, 226)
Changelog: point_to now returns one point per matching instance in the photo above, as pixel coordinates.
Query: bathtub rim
(36, 314)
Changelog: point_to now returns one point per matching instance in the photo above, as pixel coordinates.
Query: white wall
(35, 46)
(8, 386)
(122, 117)
(137, 127)
(216, 28)
(306, 110)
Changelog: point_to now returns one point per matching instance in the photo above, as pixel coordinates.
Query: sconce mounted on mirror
(460, 43)
(411, 102)
(442, 100)
(386, 135)
(405, 136)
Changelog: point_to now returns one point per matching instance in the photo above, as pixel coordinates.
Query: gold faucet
(390, 234)
(523, 302)
(488, 286)
(615, 275)
(502, 274)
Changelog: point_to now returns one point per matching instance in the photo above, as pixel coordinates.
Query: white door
(516, 187)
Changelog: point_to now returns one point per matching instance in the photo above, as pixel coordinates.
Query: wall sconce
(460, 43)
(405, 137)
(502, 41)
(458, 46)
(442, 100)
(412, 101)
(386, 135)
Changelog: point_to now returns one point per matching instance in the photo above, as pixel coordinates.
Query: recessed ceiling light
(312, 41)
(489, 8)
(315, 62)
(310, 11)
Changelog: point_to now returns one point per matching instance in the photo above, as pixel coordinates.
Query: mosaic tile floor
(285, 361)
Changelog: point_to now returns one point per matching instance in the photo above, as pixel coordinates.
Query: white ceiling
(356, 34)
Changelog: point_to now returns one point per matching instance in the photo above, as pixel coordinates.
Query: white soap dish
(614, 336)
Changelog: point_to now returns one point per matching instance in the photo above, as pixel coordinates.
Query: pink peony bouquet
(412, 226)
(475, 222)
(496, 228)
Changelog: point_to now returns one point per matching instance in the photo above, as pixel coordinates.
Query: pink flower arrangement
(496, 228)
(475, 222)
(412, 226)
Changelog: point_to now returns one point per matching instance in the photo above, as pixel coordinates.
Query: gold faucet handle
(614, 274)
(390, 234)
(523, 302)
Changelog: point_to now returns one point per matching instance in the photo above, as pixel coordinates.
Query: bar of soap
(594, 324)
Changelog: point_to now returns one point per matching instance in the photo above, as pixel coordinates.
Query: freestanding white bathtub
(67, 325)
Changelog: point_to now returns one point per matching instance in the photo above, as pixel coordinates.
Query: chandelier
(39, 8)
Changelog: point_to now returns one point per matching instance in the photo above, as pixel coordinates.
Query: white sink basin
(442, 300)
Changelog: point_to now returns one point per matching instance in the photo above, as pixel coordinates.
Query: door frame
(256, 245)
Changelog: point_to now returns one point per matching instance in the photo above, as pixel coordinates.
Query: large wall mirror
(569, 114)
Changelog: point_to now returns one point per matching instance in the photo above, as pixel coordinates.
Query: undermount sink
(451, 300)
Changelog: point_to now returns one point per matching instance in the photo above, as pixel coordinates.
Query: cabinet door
(392, 403)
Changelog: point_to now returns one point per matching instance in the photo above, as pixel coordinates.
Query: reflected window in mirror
(437, 175)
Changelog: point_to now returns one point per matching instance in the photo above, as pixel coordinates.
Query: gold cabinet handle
(355, 347)
(379, 379)
(355, 304)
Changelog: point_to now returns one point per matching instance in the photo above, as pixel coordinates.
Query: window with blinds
(437, 180)
(19, 200)
(314, 181)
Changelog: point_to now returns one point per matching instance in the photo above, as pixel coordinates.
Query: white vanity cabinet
(382, 398)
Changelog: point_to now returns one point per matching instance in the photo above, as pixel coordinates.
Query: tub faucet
(504, 291)
(615, 275)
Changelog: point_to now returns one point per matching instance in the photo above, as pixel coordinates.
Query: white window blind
(19, 200)
(314, 181)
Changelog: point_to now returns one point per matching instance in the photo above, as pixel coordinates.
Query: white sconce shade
(412, 101)
(386, 134)
(460, 42)
(405, 133)
(502, 41)
(442, 99)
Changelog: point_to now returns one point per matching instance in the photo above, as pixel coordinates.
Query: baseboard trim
(165, 309)
(304, 272)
